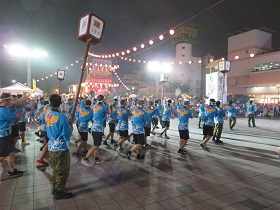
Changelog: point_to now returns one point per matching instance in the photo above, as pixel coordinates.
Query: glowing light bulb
(161, 37)
(171, 32)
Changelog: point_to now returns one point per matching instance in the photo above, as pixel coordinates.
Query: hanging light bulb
(151, 42)
(134, 48)
(171, 32)
(161, 37)
(128, 51)
(142, 46)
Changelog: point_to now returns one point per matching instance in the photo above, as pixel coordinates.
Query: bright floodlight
(21, 51)
(13, 81)
(154, 66)
(159, 67)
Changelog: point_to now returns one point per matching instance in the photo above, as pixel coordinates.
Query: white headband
(2, 99)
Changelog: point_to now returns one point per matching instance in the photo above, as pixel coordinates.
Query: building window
(183, 55)
(183, 48)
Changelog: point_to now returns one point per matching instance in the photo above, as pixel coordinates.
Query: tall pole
(59, 88)
(157, 86)
(223, 90)
(29, 72)
(88, 43)
(161, 98)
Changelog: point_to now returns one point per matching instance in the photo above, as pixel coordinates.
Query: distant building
(255, 67)
(187, 68)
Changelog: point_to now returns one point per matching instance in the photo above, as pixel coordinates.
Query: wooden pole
(72, 116)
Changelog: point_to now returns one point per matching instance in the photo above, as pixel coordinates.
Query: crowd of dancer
(57, 120)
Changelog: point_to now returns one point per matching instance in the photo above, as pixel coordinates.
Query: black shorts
(123, 133)
(15, 130)
(155, 121)
(112, 127)
(139, 139)
(184, 134)
(208, 130)
(44, 133)
(147, 131)
(6, 145)
(84, 136)
(22, 126)
(97, 138)
(165, 124)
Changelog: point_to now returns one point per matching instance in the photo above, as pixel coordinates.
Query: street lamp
(21, 51)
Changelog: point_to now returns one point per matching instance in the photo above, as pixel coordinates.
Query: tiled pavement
(241, 174)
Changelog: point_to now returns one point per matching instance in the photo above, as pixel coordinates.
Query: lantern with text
(91, 27)
(60, 76)
(224, 66)
(163, 77)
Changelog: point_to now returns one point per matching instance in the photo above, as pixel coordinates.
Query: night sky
(52, 25)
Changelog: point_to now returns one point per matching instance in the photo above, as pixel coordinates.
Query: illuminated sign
(184, 34)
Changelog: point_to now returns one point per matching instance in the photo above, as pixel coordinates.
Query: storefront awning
(213, 63)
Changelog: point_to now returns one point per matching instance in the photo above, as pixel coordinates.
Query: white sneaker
(86, 163)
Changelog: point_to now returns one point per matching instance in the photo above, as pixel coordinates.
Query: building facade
(255, 66)
(187, 68)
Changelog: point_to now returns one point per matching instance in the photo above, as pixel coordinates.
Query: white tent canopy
(17, 88)
(38, 92)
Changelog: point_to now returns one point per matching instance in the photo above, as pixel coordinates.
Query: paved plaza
(243, 173)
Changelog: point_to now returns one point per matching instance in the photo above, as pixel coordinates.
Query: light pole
(21, 51)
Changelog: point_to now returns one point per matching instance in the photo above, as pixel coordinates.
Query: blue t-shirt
(99, 117)
(208, 114)
(68, 109)
(150, 113)
(220, 117)
(167, 111)
(7, 116)
(40, 107)
(139, 119)
(24, 109)
(46, 110)
(83, 116)
(123, 114)
(251, 109)
(201, 109)
(113, 116)
(58, 130)
(231, 111)
(184, 114)
(156, 113)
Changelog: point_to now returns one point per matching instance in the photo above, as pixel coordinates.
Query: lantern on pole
(90, 31)
(60, 76)
(224, 67)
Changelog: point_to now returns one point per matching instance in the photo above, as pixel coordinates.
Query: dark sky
(52, 26)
